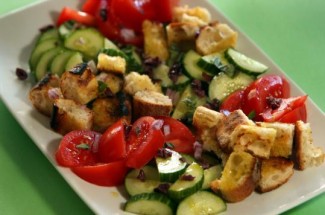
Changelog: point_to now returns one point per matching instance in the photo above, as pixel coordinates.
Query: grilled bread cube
(151, 103)
(283, 142)
(251, 138)
(239, 177)
(274, 173)
(135, 82)
(228, 125)
(114, 64)
(68, 116)
(204, 118)
(82, 87)
(155, 42)
(44, 93)
(198, 15)
(215, 38)
(106, 112)
(112, 81)
(179, 32)
(306, 153)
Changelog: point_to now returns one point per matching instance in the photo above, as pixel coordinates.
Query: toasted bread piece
(155, 40)
(239, 177)
(69, 115)
(43, 94)
(274, 173)
(114, 64)
(215, 38)
(206, 118)
(82, 87)
(198, 15)
(306, 153)
(180, 32)
(283, 142)
(112, 81)
(254, 139)
(228, 125)
(151, 103)
(135, 82)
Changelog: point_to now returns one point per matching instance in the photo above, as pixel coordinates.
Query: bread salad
(155, 96)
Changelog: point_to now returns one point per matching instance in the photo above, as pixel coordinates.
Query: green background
(291, 32)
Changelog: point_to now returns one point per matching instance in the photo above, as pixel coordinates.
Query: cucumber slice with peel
(73, 61)
(190, 61)
(210, 175)
(201, 202)
(44, 62)
(59, 62)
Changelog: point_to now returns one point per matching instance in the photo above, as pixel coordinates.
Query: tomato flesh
(143, 142)
(108, 174)
(76, 149)
(78, 16)
(233, 102)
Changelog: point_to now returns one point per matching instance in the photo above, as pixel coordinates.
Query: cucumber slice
(108, 44)
(189, 159)
(183, 188)
(39, 49)
(59, 62)
(187, 103)
(222, 85)
(135, 186)
(210, 175)
(244, 63)
(44, 62)
(190, 61)
(215, 63)
(150, 203)
(201, 202)
(89, 41)
(161, 73)
(49, 34)
(170, 168)
(74, 60)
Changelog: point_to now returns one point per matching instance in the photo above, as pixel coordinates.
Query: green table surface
(291, 32)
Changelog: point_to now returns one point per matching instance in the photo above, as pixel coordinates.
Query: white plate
(16, 40)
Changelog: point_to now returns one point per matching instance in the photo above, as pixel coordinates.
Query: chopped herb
(84, 146)
(169, 145)
(141, 176)
(101, 86)
(187, 177)
(251, 115)
(190, 103)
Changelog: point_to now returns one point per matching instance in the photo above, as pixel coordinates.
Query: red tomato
(164, 9)
(109, 174)
(254, 97)
(76, 149)
(91, 6)
(78, 16)
(286, 107)
(112, 144)
(232, 102)
(178, 134)
(296, 114)
(143, 142)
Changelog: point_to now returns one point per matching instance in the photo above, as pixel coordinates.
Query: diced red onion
(197, 150)
(54, 93)
(92, 67)
(127, 34)
(95, 144)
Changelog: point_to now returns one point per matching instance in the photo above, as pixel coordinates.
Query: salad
(188, 70)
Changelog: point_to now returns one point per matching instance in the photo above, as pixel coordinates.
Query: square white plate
(16, 41)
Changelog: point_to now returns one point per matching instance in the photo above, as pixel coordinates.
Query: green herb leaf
(101, 86)
(251, 115)
(84, 146)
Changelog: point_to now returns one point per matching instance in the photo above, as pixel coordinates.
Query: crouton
(198, 15)
(151, 103)
(239, 177)
(106, 112)
(114, 64)
(283, 142)
(178, 32)
(69, 116)
(306, 153)
(135, 82)
(274, 173)
(206, 118)
(155, 42)
(228, 125)
(80, 86)
(215, 38)
(43, 94)
(113, 82)
(251, 138)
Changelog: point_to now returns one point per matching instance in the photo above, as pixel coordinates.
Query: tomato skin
(78, 16)
(143, 142)
(112, 144)
(108, 174)
(69, 155)
(255, 95)
(288, 106)
(91, 6)
(179, 135)
(164, 9)
(233, 102)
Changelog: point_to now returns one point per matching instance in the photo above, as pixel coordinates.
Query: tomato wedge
(108, 174)
(286, 106)
(232, 102)
(77, 149)
(296, 114)
(143, 142)
(112, 144)
(178, 134)
(78, 16)
(91, 6)
(164, 9)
